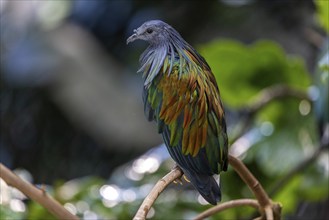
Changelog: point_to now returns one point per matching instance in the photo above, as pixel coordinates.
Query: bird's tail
(206, 186)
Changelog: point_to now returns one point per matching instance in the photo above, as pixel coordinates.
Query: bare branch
(155, 192)
(227, 205)
(268, 213)
(267, 207)
(250, 180)
(35, 194)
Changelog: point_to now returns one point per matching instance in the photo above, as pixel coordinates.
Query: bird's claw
(179, 180)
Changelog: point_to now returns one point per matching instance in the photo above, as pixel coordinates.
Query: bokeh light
(146, 165)
(313, 92)
(71, 208)
(304, 107)
(89, 215)
(129, 195)
(69, 189)
(110, 192)
(17, 205)
(266, 128)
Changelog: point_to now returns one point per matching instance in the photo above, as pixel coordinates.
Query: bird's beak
(133, 37)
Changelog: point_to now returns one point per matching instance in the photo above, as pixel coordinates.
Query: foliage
(323, 13)
(243, 70)
(7, 213)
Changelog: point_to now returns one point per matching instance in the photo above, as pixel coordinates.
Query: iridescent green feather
(213, 146)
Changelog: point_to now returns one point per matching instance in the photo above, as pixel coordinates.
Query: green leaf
(6, 213)
(243, 70)
(288, 196)
(322, 7)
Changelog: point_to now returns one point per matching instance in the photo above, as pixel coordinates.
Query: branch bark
(35, 194)
(227, 205)
(250, 180)
(155, 192)
(268, 209)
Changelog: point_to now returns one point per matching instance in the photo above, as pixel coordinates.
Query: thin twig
(226, 205)
(155, 192)
(35, 194)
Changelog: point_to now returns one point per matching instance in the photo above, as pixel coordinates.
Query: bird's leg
(179, 180)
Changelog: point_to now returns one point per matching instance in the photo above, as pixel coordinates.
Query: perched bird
(181, 95)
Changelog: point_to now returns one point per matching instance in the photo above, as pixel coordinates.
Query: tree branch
(155, 192)
(250, 180)
(268, 209)
(269, 212)
(227, 205)
(35, 194)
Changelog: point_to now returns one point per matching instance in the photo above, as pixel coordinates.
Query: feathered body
(181, 95)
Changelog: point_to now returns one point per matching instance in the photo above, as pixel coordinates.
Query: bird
(181, 95)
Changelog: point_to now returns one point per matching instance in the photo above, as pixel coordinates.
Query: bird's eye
(149, 31)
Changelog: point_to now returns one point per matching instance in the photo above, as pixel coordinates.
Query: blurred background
(72, 113)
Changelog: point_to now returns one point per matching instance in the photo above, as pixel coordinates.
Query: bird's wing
(187, 108)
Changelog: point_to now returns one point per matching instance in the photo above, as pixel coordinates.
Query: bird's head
(154, 32)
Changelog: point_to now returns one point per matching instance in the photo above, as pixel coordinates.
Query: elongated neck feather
(175, 47)
(151, 61)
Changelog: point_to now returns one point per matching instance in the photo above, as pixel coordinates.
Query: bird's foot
(176, 181)
(186, 179)
(179, 180)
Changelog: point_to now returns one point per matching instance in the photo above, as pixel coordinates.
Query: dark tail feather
(206, 185)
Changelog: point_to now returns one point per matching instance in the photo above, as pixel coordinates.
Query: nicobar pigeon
(181, 95)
